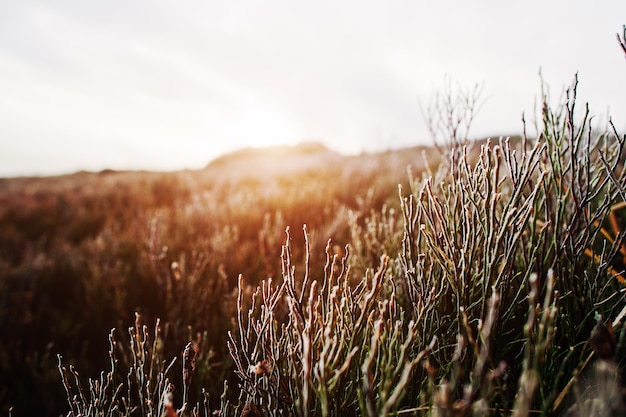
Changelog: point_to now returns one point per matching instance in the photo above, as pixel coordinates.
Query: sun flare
(259, 126)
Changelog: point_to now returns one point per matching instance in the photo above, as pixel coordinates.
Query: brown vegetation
(79, 254)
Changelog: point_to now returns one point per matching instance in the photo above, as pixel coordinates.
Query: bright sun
(258, 125)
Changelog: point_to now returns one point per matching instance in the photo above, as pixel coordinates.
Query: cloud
(161, 86)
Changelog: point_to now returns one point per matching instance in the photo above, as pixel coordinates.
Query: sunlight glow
(257, 125)
(157, 86)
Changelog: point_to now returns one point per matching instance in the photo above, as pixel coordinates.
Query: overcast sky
(167, 85)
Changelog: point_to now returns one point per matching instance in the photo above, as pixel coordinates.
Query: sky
(164, 85)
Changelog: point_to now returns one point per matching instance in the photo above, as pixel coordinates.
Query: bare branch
(450, 114)
(622, 39)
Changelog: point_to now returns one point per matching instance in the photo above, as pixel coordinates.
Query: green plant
(486, 223)
(320, 346)
(145, 388)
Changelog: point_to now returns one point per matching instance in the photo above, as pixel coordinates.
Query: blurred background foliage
(81, 253)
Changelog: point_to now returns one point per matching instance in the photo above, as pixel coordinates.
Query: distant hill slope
(275, 151)
(262, 164)
(274, 159)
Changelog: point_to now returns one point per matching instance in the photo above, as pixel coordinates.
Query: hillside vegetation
(486, 279)
(80, 254)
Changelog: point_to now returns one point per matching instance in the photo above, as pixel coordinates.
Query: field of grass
(487, 279)
(80, 254)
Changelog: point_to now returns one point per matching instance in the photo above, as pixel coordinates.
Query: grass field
(80, 254)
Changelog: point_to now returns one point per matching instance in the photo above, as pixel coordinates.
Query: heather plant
(372, 235)
(322, 346)
(142, 384)
(462, 234)
(516, 213)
